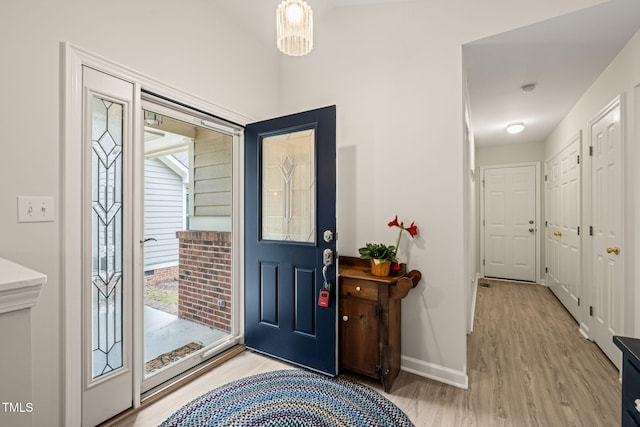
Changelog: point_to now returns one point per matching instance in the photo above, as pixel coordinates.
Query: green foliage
(378, 251)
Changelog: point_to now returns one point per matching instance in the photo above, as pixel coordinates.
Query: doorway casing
(538, 215)
(73, 59)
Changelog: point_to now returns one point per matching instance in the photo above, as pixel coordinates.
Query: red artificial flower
(412, 229)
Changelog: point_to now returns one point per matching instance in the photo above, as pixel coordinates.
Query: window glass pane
(288, 187)
(106, 140)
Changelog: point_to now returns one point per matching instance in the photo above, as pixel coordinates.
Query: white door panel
(563, 222)
(509, 222)
(607, 245)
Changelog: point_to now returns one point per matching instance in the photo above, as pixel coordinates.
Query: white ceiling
(562, 56)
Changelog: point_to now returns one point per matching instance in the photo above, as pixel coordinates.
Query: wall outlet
(35, 209)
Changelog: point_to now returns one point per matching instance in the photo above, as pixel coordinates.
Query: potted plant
(380, 255)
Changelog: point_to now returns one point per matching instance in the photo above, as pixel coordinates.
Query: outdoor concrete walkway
(166, 332)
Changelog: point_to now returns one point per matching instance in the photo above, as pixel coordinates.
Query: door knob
(615, 250)
(531, 230)
(557, 233)
(345, 318)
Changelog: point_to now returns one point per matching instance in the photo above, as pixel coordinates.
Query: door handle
(557, 233)
(148, 239)
(615, 250)
(327, 257)
(531, 230)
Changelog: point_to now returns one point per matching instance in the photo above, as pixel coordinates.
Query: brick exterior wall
(162, 275)
(204, 278)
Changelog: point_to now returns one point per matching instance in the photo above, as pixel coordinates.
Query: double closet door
(563, 206)
(584, 234)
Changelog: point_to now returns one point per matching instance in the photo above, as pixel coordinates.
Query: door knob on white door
(615, 250)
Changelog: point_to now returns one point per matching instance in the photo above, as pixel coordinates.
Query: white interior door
(563, 226)
(510, 222)
(107, 269)
(607, 289)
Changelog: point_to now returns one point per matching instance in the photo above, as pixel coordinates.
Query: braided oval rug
(290, 397)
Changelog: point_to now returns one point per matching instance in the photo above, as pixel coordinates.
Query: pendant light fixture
(294, 20)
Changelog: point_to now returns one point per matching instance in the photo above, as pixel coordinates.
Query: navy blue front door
(290, 218)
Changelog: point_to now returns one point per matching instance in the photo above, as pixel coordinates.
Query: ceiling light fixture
(294, 25)
(516, 127)
(529, 87)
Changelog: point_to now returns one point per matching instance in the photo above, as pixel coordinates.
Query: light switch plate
(35, 209)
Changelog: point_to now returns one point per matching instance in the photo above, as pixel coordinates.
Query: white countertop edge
(19, 286)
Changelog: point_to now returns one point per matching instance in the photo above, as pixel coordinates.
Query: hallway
(528, 366)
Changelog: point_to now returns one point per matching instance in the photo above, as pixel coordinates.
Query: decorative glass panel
(288, 187)
(106, 140)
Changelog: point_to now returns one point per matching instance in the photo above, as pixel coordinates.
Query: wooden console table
(370, 313)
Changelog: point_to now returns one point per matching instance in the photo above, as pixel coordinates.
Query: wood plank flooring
(528, 366)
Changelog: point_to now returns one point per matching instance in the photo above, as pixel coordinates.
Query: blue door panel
(283, 279)
(269, 293)
(305, 308)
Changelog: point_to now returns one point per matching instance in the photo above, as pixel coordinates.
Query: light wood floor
(528, 366)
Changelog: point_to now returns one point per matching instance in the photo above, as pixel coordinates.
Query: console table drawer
(359, 288)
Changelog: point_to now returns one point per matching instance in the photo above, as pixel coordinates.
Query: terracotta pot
(380, 268)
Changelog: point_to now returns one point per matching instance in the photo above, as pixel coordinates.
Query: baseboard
(435, 372)
(543, 282)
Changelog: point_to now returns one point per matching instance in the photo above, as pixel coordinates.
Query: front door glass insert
(288, 187)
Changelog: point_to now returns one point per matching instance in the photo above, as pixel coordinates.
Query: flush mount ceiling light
(294, 25)
(529, 87)
(513, 128)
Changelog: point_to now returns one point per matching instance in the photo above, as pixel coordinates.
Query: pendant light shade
(294, 20)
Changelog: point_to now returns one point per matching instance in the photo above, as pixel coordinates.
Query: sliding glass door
(187, 245)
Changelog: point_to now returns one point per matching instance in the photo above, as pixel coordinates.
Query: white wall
(395, 73)
(185, 44)
(620, 77)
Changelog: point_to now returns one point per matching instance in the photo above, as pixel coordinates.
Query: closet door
(607, 251)
(563, 227)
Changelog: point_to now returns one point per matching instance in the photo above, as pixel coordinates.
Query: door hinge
(483, 222)
(578, 301)
(546, 178)
(578, 231)
(578, 158)
(546, 223)
(378, 311)
(546, 269)
(591, 150)
(591, 310)
(483, 263)
(591, 230)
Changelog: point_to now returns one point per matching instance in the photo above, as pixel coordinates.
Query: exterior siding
(163, 214)
(212, 171)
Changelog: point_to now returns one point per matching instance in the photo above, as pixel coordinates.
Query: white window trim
(73, 59)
